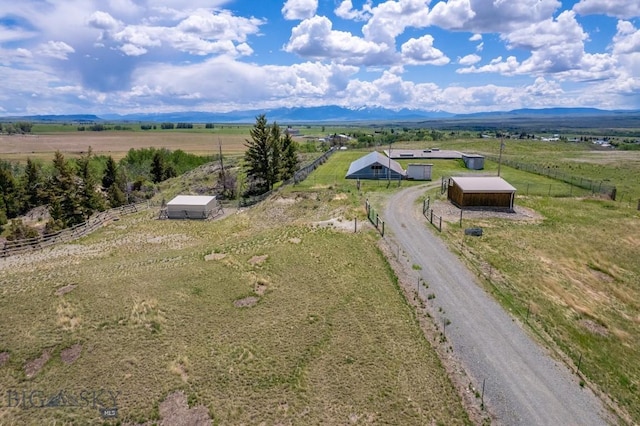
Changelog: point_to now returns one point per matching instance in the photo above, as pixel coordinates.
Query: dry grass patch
(68, 317)
(180, 367)
(336, 340)
(577, 265)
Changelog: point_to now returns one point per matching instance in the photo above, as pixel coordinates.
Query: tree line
(72, 190)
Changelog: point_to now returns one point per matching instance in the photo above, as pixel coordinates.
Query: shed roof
(483, 184)
(373, 158)
(191, 200)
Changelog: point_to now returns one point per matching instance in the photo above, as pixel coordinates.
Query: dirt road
(523, 384)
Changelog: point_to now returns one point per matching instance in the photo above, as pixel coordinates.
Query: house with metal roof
(481, 192)
(375, 166)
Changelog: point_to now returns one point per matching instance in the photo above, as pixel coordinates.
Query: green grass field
(331, 339)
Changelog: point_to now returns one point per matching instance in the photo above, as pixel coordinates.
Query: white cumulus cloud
(299, 9)
(624, 9)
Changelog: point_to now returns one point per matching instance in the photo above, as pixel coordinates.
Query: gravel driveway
(523, 384)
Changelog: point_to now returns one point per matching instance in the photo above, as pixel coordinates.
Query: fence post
(431, 220)
(382, 233)
(440, 229)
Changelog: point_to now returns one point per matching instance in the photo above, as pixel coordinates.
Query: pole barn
(481, 192)
(192, 207)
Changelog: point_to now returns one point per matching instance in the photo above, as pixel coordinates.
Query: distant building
(375, 166)
(473, 161)
(481, 192)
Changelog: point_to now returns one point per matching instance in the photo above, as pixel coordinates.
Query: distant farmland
(116, 144)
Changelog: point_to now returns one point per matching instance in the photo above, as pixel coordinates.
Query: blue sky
(125, 56)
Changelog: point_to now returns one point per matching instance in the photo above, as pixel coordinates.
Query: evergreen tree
(290, 163)
(157, 167)
(89, 200)
(33, 186)
(110, 173)
(257, 155)
(263, 156)
(275, 154)
(63, 193)
(9, 193)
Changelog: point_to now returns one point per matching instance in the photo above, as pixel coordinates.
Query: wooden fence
(95, 222)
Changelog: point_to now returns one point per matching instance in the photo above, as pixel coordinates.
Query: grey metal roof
(418, 154)
(477, 184)
(375, 157)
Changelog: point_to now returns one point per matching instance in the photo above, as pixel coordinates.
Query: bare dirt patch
(451, 213)
(4, 357)
(246, 302)
(601, 276)
(175, 411)
(66, 289)
(285, 201)
(70, 355)
(258, 260)
(295, 240)
(339, 224)
(594, 327)
(215, 256)
(33, 367)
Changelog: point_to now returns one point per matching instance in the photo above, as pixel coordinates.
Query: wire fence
(95, 222)
(593, 186)
(374, 218)
(428, 212)
(298, 177)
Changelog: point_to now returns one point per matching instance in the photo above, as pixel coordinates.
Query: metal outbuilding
(375, 166)
(481, 192)
(417, 171)
(473, 161)
(192, 207)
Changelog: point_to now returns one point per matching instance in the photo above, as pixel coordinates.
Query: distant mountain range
(323, 114)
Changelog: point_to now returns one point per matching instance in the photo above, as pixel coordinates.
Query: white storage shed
(192, 207)
(419, 171)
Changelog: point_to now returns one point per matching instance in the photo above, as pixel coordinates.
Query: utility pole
(222, 173)
(501, 148)
(389, 168)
